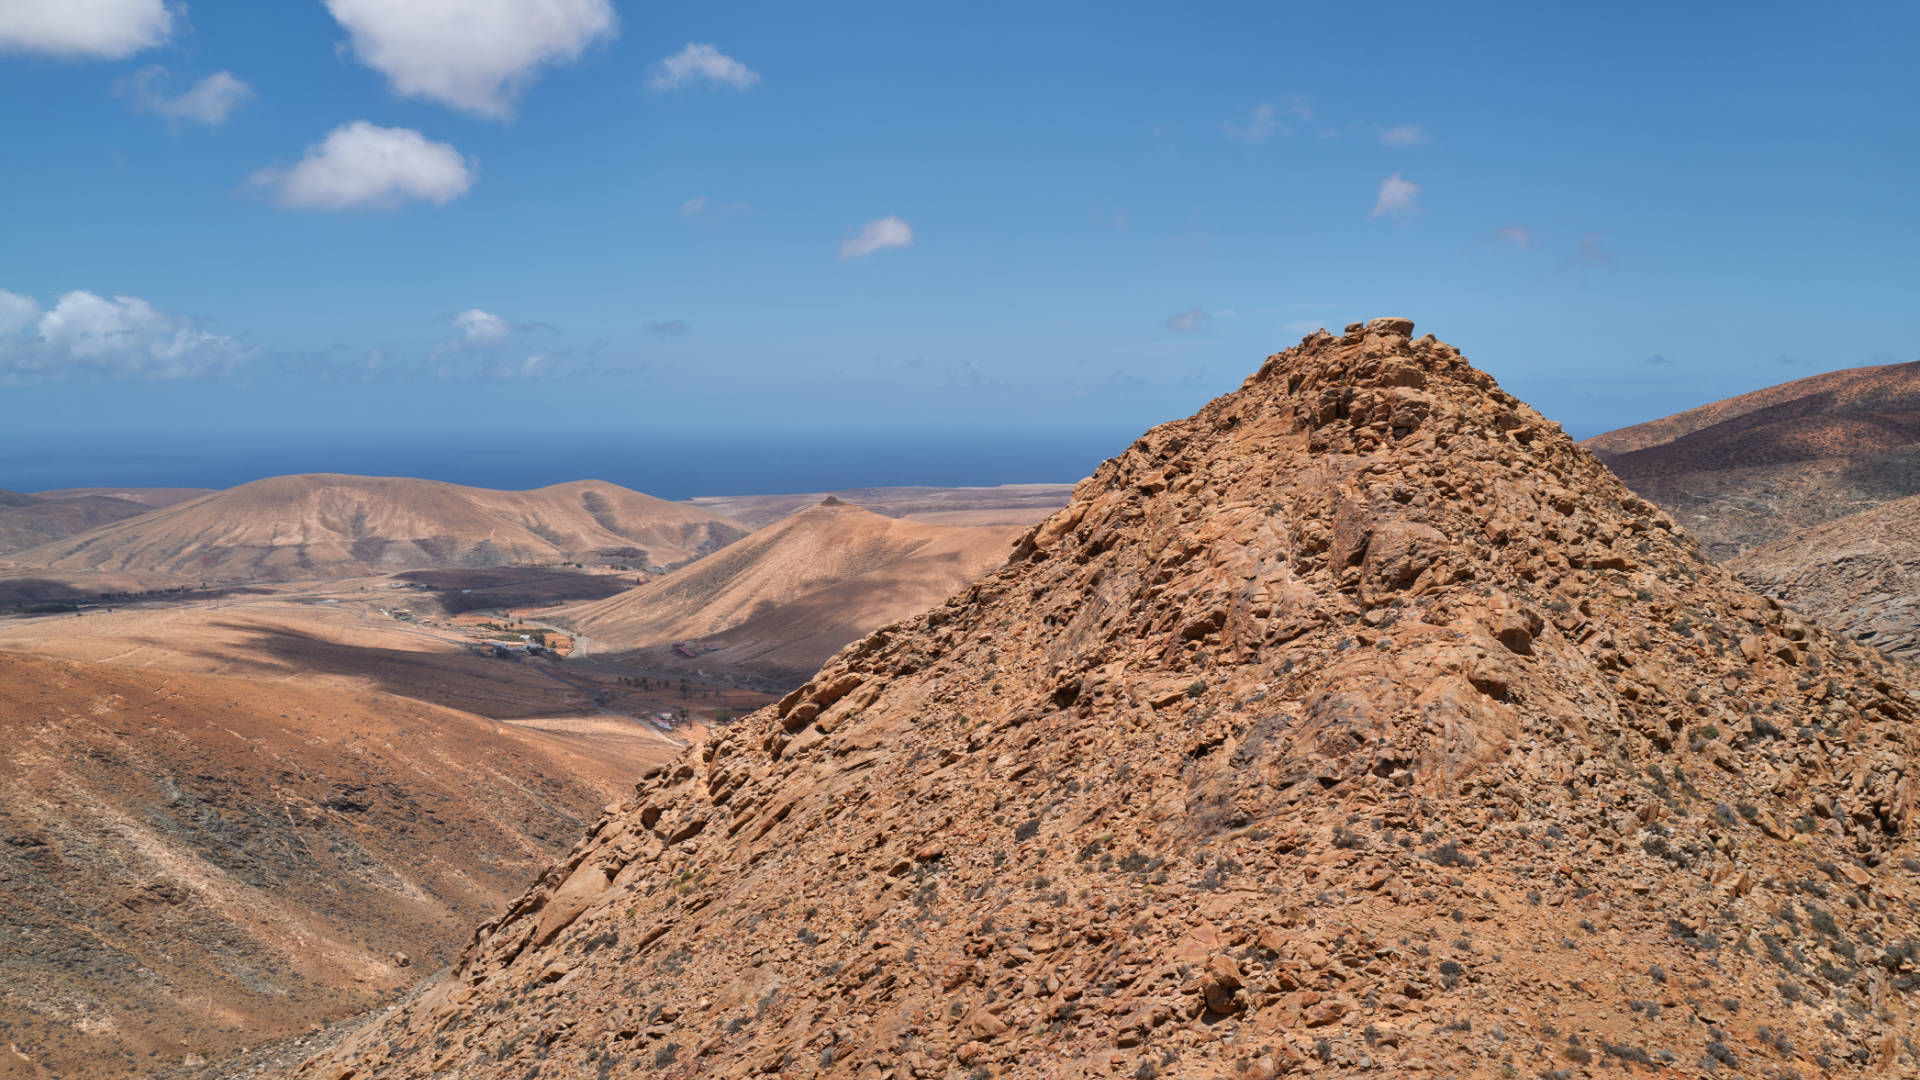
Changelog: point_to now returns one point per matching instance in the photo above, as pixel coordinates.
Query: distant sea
(671, 465)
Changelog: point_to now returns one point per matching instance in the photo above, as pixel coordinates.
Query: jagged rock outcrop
(1360, 722)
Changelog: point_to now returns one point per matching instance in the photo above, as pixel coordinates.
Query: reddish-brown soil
(191, 864)
(1360, 724)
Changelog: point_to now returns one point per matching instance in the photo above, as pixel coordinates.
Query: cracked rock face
(1359, 722)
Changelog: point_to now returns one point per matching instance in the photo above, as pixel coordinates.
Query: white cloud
(1590, 254)
(1264, 122)
(531, 367)
(1188, 320)
(359, 165)
(696, 62)
(124, 336)
(887, 232)
(1396, 196)
(208, 101)
(702, 206)
(17, 313)
(1404, 135)
(1517, 235)
(84, 29)
(474, 55)
(1268, 120)
(482, 328)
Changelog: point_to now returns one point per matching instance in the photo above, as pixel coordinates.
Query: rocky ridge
(1360, 721)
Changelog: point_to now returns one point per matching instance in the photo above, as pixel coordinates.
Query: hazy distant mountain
(1745, 471)
(30, 520)
(326, 525)
(150, 497)
(1003, 504)
(790, 595)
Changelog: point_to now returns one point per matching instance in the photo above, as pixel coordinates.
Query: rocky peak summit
(1359, 721)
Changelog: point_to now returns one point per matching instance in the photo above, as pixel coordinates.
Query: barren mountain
(1858, 575)
(28, 521)
(1005, 504)
(190, 864)
(298, 527)
(1361, 723)
(1746, 471)
(152, 498)
(792, 594)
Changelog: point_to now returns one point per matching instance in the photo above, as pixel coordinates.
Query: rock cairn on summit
(1359, 723)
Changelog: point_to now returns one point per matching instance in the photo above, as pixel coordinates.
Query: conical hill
(1360, 722)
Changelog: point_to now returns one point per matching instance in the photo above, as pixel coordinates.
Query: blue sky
(257, 226)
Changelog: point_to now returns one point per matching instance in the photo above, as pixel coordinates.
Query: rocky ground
(1859, 576)
(1359, 723)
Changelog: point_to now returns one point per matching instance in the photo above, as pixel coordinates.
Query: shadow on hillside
(47, 596)
(481, 588)
(483, 685)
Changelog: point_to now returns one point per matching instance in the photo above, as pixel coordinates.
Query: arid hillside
(292, 528)
(150, 497)
(1858, 575)
(1744, 472)
(1359, 724)
(1005, 504)
(792, 594)
(28, 521)
(190, 863)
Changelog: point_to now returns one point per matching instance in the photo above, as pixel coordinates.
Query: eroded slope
(190, 864)
(1359, 722)
(1744, 472)
(291, 528)
(791, 595)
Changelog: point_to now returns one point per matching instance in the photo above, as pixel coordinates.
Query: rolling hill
(1004, 504)
(150, 497)
(790, 595)
(191, 864)
(328, 526)
(1360, 724)
(28, 521)
(1743, 472)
